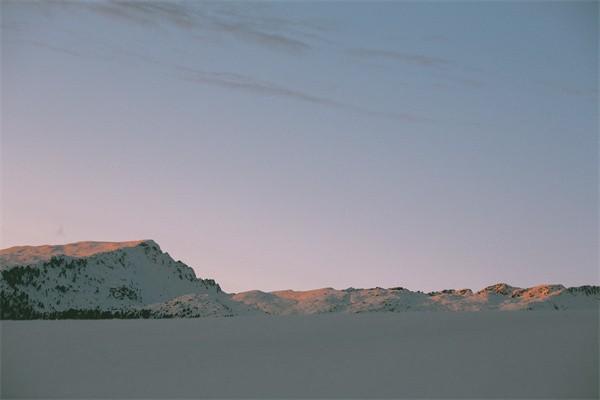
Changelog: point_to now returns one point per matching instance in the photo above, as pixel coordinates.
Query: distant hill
(137, 279)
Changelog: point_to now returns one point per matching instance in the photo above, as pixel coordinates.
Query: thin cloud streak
(568, 91)
(246, 84)
(264, 88)
(406, 58)
(434, 65)
(47, 46)
(273, 34)
(266, 39)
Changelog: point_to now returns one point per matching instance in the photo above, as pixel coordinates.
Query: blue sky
(277, 145)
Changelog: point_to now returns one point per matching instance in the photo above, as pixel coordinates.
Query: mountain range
(137, 279)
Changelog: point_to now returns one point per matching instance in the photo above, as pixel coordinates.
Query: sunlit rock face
(499, 288)
(26, 255)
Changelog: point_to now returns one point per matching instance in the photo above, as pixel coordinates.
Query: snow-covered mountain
(500, 297)
(94, 276)
(137, 279)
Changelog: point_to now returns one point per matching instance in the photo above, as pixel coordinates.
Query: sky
(299, 145)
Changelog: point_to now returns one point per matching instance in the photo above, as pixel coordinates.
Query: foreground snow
(420, 354)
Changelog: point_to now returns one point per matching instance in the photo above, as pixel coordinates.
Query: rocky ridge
(138, 280)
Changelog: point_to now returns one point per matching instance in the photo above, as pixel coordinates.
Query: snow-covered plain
(542, 354)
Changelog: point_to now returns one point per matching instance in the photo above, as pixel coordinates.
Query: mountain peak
(23, 255)
(503, 289)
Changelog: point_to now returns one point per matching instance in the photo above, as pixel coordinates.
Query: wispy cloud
(265, 88)
(143, 12)
(437, 68)
(278, 34)
(48, 46)
(267, 39)
(406, 58)
(268, 31)
(568, 91)
(249, 84)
